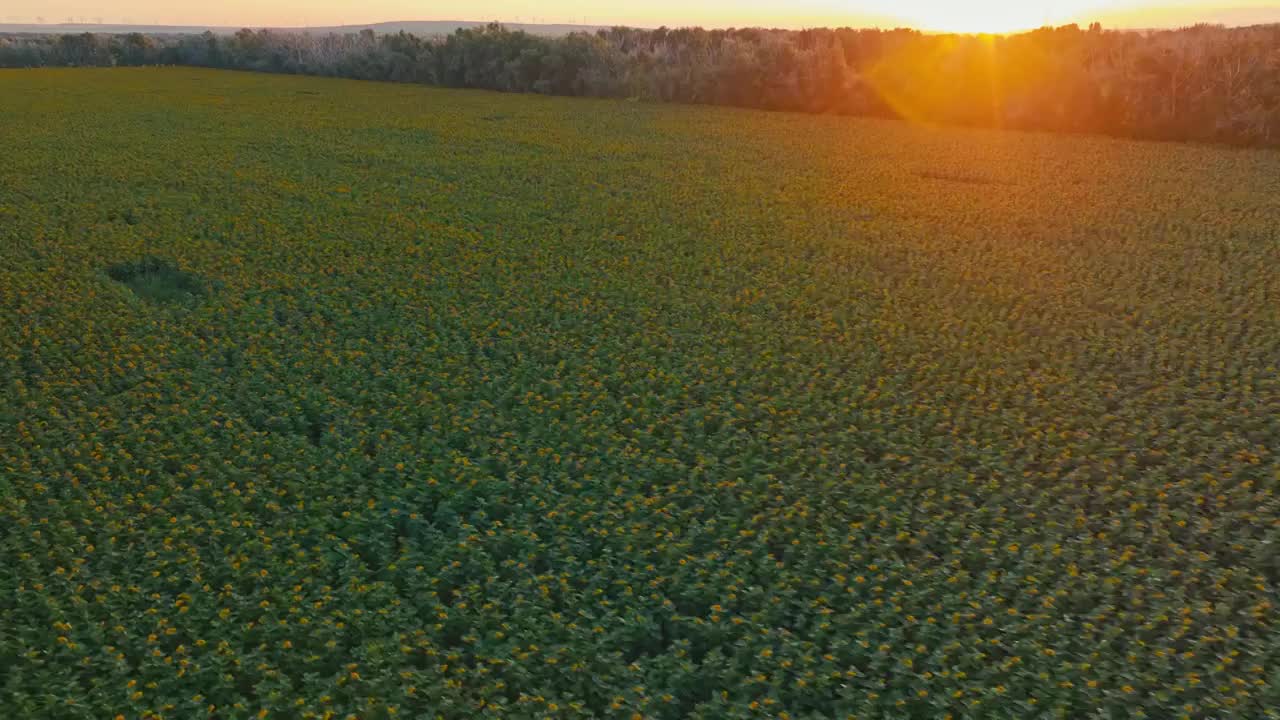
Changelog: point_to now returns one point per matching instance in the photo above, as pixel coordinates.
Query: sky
(962, 15)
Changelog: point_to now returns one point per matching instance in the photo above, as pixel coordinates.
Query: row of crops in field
(325, 399)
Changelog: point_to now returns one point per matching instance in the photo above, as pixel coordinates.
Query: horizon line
(871, 23)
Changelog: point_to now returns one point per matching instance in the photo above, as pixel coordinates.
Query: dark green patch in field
(158, 280)
(128, 216)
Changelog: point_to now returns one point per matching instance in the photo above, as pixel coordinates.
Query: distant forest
(1203, 83)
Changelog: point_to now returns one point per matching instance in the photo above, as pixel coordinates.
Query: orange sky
(965, 15)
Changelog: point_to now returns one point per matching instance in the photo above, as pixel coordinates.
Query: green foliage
(157, 280)
(622, 410)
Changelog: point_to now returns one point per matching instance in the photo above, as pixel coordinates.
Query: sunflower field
(330, 399)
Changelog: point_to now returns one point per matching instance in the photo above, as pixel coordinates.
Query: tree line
(1203, 83)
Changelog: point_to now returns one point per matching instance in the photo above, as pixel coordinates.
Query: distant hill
(65, 28)
(1175, 17)
(415, 27)
(445, 27)
(1156, 17)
